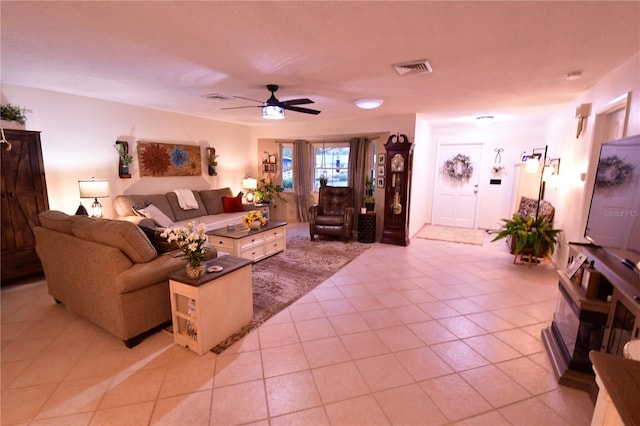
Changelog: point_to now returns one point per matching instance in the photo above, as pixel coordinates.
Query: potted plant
(268, 193)
(533, 236)
(369, 203)
(10, 112)
(125, 158)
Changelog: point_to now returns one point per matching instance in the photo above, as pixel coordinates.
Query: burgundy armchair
(333, 215)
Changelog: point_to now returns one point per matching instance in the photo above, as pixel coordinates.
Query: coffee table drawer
(222, 243)
(253, 253)
(252, 241)
(274, 234)
(274, 246)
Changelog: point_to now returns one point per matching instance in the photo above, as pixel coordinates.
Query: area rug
(280, 280)
(452, 234)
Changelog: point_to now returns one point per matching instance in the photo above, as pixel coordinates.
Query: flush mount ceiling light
(272, 112)
(369, 103)
(573, 75)
(484, 119)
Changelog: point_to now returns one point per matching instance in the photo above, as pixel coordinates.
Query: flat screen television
(614, 214)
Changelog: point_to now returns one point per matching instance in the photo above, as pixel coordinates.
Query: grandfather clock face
(397, 163)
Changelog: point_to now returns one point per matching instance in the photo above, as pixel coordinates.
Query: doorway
(455, 201)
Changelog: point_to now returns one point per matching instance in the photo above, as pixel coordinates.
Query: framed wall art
(166, 159)
(380, 182)
(381, 170)
(382, 158)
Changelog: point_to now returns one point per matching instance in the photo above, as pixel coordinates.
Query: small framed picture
(380, 170)
(576, 264)
(382, 158)
(380, 182)
(555, 166)
(525, 156)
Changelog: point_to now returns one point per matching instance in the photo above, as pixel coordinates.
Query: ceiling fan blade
(249, 99)
(303, 110)
(250, 106)
(297, 101)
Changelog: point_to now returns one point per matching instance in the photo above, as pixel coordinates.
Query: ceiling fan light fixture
(272, 112)
(369, 103)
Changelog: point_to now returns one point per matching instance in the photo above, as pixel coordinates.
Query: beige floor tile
(532, 412)
(20, 405)
(492, 418)
(325, 352)
(423, 363)
(459, 355)
(133, 414)
(366, 303)
(363, 411)
(188, 373)
(438, 309)
(528, 374)
(133, 387)
(462, 327)
(490, 321)
(283, 360)
(349, 324)
(237, 404)
(337, 382)
(521, 341)
(277, 335)
(399, 338)
(573, 405)
(314, 329)
(238, 368)
(410, 314)
(291, 392)
(409, 405)
(362, 345)
(354, 290)
(495, 386)
(380, 318)
(187, 409)
(311, 417)
(431, 332)
(455, 397)
(306, 311)
(464, 305)
(383, 372)
(337, 307)
(492, 348)
(79, 396)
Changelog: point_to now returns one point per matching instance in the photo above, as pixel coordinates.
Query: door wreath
(459, 168)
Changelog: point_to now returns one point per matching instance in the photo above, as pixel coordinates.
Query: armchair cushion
(333, 214)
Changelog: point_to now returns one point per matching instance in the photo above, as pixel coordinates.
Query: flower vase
(196, 271)
(255, 224)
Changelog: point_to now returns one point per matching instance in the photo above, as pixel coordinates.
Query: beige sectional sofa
(216, 209)
(107, 271)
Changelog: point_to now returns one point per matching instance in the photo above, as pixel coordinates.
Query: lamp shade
(250, 183)
(94, 188)
(531, 166)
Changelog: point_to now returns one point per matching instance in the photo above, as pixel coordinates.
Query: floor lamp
(533, 164)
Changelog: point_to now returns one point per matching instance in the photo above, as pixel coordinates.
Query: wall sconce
(251, 184)
(93, 188)
(582, 112)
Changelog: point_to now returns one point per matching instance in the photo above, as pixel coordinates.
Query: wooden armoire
(24, 195)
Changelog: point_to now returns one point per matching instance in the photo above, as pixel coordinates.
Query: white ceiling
(487, 57)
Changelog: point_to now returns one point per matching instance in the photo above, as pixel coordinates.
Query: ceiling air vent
(218, 97)
(414, 67)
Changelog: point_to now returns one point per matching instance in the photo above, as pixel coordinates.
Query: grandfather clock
(396, 195)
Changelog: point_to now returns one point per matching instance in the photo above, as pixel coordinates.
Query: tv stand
(596, 311)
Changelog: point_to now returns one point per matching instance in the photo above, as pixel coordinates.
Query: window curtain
(301, 181)
(358, 148)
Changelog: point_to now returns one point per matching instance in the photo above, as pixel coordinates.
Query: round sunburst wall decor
(459, 168)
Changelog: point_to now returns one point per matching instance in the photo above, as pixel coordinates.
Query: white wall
(78, 135)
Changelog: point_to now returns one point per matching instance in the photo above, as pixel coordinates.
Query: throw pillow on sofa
(161, 244)
(152, 212)
(232, 204)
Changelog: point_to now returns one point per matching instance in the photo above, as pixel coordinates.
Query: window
(286, 155)
(331, 162)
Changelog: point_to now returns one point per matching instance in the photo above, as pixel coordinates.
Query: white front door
(456, 192)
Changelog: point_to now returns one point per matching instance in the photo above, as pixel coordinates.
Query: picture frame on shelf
(577, 262)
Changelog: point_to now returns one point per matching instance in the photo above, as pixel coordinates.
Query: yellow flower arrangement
(251, 217)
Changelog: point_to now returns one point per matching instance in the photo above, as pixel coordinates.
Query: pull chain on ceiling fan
(273, 109)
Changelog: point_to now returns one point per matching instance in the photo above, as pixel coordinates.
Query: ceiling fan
(272, 108)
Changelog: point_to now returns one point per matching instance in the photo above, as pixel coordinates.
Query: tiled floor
(433, 333)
